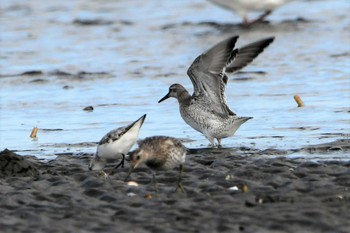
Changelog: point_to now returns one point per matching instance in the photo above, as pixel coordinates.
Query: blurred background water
(121, 56)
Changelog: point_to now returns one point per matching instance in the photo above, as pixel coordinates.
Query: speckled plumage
(116, 144)
(159, 153)
(206, 110)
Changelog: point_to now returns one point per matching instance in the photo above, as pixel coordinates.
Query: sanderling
(116, 144)
(206, 110)
(159, 153)
(243, 7)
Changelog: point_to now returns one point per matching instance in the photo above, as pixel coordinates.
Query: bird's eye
(138, 157)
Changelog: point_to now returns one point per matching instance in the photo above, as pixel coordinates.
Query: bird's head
(175, 91)
(97, 163)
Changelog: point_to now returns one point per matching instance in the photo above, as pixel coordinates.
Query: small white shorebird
(116, 144)
(159, 153)
(243, 7)
(206, 110)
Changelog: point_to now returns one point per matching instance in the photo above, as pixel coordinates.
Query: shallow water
(123, 60)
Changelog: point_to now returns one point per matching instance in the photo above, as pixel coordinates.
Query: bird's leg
(246, 21)
(128, 175)
(123, 159)
(211, 140)
(179, 183)
(219, 142)
(120, 164)
(261, 17)
(155, 185)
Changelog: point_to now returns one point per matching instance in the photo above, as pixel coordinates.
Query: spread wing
(247, 53)
(208, 71)
(207, 74)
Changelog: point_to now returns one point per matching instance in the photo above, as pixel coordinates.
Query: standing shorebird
(159, 153)
(206, 110)
(243, 7)
(116, 144)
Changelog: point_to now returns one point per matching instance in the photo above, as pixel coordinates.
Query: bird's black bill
(164, 98)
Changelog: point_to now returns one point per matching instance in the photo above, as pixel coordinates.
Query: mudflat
(227, 190)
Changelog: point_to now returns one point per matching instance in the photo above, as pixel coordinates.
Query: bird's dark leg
(261, 17)
(179, 183)
(211, 140)
(120, 164)
(219, 142)
(128, 175)
(245, 21)
(155, 185)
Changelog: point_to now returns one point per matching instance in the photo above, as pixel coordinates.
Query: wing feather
(207, 74)
(208, 71)
(246, 54)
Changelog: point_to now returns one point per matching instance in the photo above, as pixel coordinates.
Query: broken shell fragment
(299, 101)
(133, 183)
(34, 132)
(245, 188)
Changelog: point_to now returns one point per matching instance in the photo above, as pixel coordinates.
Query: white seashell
(133, 183)
(233, 188)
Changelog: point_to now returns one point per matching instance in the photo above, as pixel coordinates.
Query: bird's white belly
(202, 121)
(209, 124)
(115, 149)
